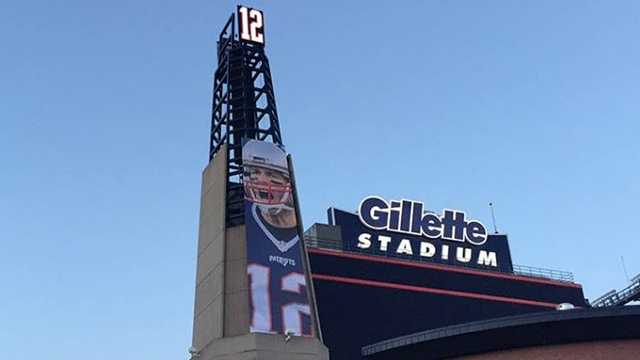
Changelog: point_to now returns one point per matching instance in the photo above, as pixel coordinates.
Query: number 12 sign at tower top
(251, 25)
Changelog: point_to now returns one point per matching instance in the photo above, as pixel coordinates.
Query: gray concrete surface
(221, 309)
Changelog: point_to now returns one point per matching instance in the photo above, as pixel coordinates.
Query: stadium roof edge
(496, 334)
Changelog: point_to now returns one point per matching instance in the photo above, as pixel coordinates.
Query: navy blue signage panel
(492, 255)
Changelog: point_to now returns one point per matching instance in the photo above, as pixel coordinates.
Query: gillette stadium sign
(408, 217)
(405, 229)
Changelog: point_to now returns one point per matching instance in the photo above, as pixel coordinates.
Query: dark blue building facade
(366, 294)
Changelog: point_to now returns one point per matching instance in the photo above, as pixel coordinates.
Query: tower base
(256, 346)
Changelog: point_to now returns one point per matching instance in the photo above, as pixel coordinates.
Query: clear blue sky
(105, 114)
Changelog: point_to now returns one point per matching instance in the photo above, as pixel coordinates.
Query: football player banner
(277, 284)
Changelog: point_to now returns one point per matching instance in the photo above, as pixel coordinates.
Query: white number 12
(251, 25)
(259, 282)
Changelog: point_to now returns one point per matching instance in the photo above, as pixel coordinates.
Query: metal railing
(615, 298)
(521, 270)
(543, 273)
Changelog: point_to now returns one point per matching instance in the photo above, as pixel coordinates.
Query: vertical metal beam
(311, 293)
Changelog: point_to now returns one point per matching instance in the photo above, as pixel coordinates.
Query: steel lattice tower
(244, 107)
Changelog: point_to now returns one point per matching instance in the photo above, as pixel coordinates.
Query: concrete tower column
(221, 311)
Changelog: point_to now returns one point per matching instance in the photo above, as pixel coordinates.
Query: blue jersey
(275, 269)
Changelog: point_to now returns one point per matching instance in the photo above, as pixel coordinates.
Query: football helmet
(266, 176)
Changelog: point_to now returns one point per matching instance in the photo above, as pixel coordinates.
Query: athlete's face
(268, 186)
(268, 177)
(271, 187)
